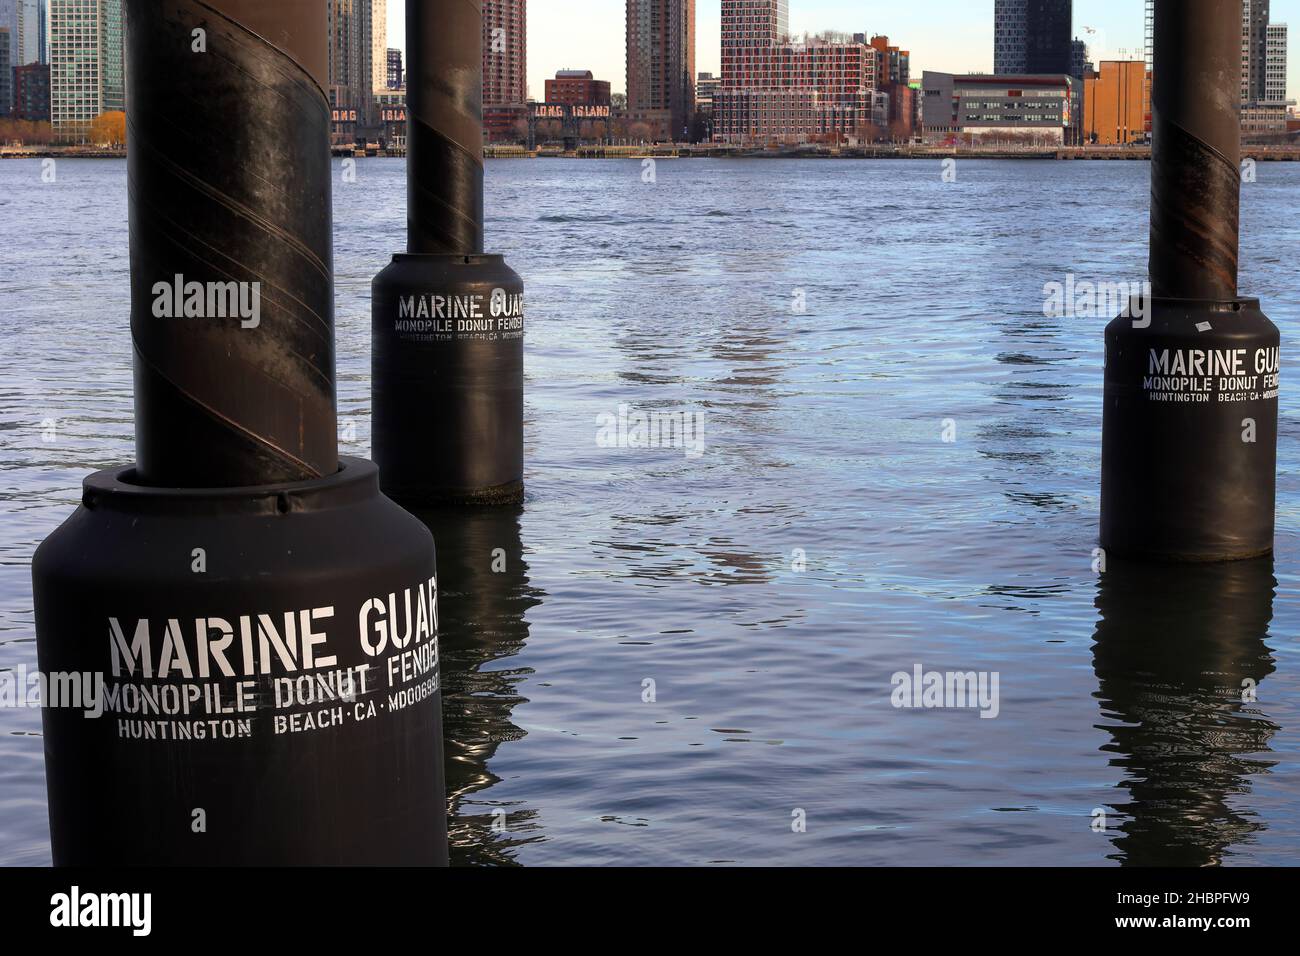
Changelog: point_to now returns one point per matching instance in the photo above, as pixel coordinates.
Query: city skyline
(986, 40)
(945, 35)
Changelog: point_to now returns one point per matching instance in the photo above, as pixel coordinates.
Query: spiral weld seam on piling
(445, 126)
(1194, 231)
(1196, 135)
(228, 174)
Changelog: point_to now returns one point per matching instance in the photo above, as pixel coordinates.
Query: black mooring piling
(252, 624)
(224, 190)
(1189, 447)
(448, 320)
(1196, 155)
(444, 129)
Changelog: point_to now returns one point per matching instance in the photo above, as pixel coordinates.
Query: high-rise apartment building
(1275, 63)
(802, 91)
(1050, 45)
(27, 26)
(1032, 36)
(747, 24)
(505, 52)
(33, 28)
(1150, 49)
(1254, 48)
(505, 68)
(87, 65)
(775, 89)
(1080, 69)
(661, 64)
(113, 34)
(9, 23)
(1263, 71)
(1263, 54)
(351, 74)
(1009, 32)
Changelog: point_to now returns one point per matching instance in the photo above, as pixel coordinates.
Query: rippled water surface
(825, 539)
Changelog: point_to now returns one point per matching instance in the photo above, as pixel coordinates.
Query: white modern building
(87, 65)
(1275, 64)
(1263, 54)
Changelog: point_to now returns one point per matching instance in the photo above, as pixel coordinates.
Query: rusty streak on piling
(1196, 149)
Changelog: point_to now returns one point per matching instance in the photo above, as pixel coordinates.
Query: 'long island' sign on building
(569, 111)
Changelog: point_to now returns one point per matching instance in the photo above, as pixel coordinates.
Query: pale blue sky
(951, 35)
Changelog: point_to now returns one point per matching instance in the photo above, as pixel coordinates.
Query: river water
(687, 656)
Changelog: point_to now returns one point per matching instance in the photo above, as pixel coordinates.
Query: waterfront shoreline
(1142, 154)
(55, 152)
(1069, 153)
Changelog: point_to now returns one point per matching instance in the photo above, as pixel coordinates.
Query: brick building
(577, 88)
(1115, 103)
(893, 78)
(31, 92)
(775, 89)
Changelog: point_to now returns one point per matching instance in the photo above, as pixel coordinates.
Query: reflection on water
(828, 320)
(1180, 660)
(483, 597)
